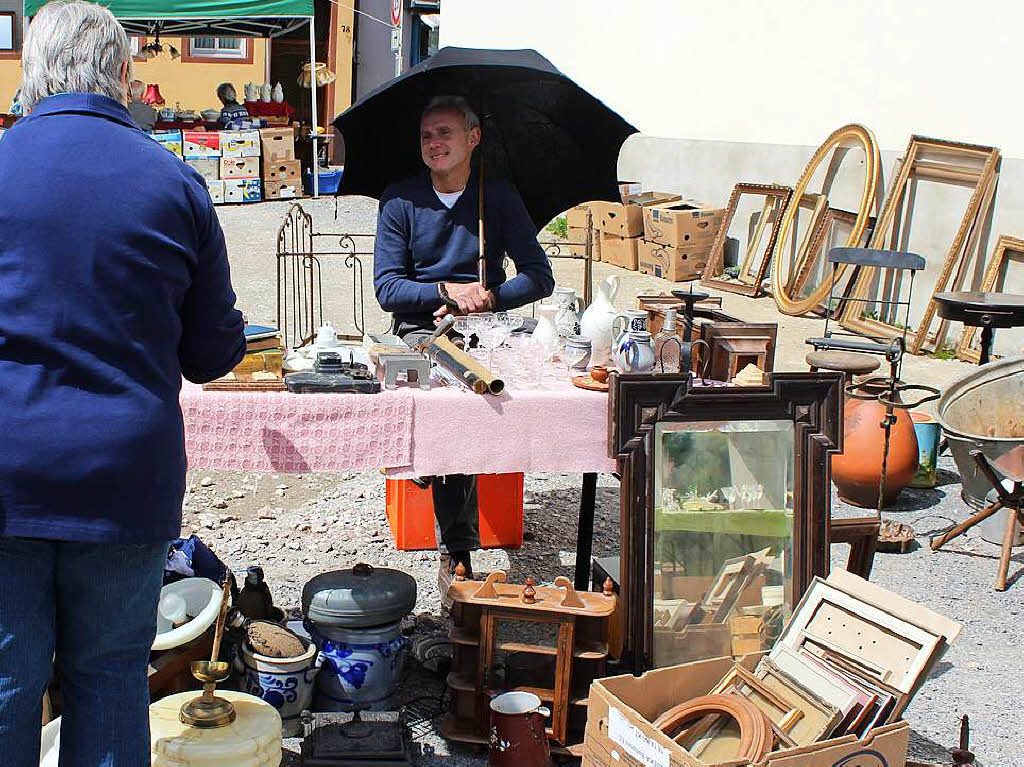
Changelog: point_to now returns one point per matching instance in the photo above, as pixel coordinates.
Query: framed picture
(8, 37)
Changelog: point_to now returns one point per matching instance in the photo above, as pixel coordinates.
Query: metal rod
(312, 99)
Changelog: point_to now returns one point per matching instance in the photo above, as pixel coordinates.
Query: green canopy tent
(217, 18)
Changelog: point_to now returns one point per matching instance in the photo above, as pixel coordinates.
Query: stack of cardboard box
(240, 165)
(282, 173)
(621, 226)
(677, 239)
(577, 221)
(201, 151)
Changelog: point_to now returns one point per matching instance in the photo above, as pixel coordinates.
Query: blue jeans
(94, 605)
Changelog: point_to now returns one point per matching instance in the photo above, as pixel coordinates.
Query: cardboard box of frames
(831, 691)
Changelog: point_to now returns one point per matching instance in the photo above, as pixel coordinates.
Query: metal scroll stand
(891, 398)
(689, 299)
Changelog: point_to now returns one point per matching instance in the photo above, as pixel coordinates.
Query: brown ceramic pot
(858, 468)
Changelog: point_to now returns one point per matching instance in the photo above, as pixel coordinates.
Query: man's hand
(471, 297)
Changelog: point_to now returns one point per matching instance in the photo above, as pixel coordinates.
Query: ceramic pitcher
(278, 93)
(517, 737)
(637, 353)
(622, 325)
(596, 322)
(546, 332)
(569, 306)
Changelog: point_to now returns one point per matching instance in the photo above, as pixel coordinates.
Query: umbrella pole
(481, 263)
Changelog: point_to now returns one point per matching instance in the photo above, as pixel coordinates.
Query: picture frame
(940, 161)
(639, 402)
(8, 33)
(753, 267)
(1007, 249)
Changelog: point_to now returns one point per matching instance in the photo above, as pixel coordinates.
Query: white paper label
(633, 740)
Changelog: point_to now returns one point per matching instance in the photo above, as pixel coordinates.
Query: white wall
(780, 72)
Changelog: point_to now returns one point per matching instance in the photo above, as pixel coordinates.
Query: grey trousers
(455, 497)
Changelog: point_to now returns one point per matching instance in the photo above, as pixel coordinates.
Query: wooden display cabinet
(580, 622)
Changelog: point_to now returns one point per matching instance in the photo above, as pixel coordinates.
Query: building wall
(786, 72)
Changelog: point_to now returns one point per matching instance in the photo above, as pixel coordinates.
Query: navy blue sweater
(421, 243)
(113, 282)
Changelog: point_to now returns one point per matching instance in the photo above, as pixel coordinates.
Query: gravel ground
(296, 526)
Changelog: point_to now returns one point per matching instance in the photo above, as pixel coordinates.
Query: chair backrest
(892, 259)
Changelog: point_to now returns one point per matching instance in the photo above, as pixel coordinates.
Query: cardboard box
(627, 220)
(209, 169)
(281, 190)
(240, 143)
(242, 190)
(621, 708)
(277, 144)
(577, 217)
(282, 170)
(169, 140)
(629, 188)
(620, 251)
(200, 144)
(672, 264)
(682, 223)
(216, 191)
(239, 167)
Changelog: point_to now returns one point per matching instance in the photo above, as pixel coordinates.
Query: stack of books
(263, 353)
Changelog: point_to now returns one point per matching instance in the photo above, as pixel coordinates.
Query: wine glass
(729, 493)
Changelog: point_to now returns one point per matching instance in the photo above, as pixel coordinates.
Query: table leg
(585, 531)
(987, 335)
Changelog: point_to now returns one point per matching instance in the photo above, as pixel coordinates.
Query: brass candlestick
(208, 711)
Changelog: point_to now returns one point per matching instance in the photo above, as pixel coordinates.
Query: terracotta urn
(857, 470)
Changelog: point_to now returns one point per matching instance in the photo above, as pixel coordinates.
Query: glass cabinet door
(723, 537)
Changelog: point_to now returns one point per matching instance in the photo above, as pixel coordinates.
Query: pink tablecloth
(278, 431)
(527, 430)
(409, 432)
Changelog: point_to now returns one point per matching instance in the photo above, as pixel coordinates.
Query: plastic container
(410, 511)
(330, 180)
(202, 600)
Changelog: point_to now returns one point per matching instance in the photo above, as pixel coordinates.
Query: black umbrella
(554, 141)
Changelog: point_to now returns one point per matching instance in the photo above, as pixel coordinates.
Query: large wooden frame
(942, 161)
(847, 136)
(776, 198)
(638, 401)
(992, 279)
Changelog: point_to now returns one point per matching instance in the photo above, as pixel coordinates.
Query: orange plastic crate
(410, 512)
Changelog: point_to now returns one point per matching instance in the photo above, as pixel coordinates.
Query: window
(218, 47)
(8, 32)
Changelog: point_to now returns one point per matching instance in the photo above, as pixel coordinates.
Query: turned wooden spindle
(608, 588)
(529, 592)
(460, 572)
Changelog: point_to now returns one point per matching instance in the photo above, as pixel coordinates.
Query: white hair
(74, 47)
(453, 104)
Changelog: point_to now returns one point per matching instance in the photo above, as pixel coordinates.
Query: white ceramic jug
(278, 93)
(546, 332)
(267, 90)
(250, 91)
(569, 305)
(596, 322)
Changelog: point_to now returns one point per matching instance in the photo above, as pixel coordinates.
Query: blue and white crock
(284, 683)
(361, 666)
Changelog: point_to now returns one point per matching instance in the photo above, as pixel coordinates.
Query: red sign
(396, 12)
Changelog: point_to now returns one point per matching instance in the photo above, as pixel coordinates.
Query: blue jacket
(420, 243)
(113, 283)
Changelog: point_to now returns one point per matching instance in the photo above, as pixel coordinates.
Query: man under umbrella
(426, 265)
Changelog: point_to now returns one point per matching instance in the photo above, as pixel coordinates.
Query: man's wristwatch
(445, 298)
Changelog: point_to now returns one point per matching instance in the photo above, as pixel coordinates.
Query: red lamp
(152, 94)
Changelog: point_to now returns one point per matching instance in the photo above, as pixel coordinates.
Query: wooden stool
(850, 363)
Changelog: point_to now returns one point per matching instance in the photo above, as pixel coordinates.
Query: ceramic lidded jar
(278, 93)
(354, 617)
(596, 322)
(266, 90)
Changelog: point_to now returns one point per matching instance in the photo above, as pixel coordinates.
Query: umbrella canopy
(554, 141)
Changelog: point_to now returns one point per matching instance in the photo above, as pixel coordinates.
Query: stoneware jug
(596, 322)
(278, 93)
(546, 332)
(622, 324)
(637, 355)
(857, 470)
(569, 306)
(267, 90)
(517, 737)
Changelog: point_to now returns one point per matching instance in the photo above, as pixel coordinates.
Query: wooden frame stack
(941, 161)
(752, 271)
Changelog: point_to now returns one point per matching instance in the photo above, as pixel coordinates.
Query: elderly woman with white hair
(115, 283)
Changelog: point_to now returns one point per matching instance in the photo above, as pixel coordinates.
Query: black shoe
(446, 574)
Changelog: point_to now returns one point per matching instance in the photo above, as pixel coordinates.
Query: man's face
(444, 141)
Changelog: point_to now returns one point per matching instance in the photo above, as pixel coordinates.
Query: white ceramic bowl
(202, 600)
